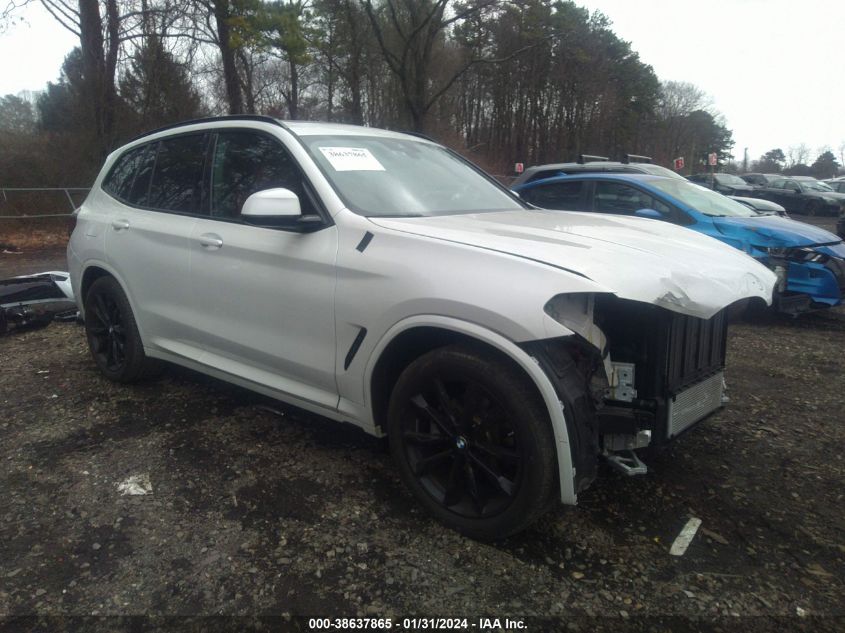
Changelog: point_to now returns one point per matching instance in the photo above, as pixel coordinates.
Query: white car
(380, 279)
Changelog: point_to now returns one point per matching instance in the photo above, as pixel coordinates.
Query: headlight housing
(799, 255)
(777, 251)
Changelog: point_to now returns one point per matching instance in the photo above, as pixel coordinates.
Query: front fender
(528, 364)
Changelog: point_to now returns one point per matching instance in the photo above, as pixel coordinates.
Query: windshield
(702, 200)
(378, 176)
(730, 179)
(809, 185)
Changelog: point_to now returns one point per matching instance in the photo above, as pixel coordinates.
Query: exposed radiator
(690, 405)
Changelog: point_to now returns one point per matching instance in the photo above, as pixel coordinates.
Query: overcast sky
(772, 67)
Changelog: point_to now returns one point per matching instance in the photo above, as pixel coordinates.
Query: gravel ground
(259, 512)
(31, 262)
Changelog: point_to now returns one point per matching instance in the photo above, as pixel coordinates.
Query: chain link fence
(29, 203)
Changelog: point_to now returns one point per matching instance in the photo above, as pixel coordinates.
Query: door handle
(211, 241)
(120, 225)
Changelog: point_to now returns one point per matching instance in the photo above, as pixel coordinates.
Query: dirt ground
(256, 512)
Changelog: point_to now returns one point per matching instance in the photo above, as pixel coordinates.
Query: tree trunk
(109, 90)
(293, 102)
(93, 65)
(227, 54)
(248, 88)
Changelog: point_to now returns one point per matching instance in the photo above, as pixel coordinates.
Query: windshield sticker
(351, 159)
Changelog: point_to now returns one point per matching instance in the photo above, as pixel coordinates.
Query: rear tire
(473, 442)
(113, 336)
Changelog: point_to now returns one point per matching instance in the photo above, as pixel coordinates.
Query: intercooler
(679, 363)
(692, 404)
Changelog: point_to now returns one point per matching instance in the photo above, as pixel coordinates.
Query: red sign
(712, 159)
(519, 168)
(679, 163)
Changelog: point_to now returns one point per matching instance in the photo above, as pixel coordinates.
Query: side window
(245, 162)
(614, 197)
(559, 195)
(791, 185)
(178, 174)
(777, 183)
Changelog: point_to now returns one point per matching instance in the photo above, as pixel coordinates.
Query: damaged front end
(35, 300)
(809, 278)
(639, 375)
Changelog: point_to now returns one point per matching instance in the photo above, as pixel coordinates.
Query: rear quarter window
(119, 180)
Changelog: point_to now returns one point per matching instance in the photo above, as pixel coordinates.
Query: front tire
(113, 336)
(473, 441)
(812, 208)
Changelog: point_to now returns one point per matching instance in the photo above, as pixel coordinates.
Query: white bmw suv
(380, 279)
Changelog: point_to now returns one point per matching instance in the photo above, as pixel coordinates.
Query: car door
(773, 191)
(148, 238)
(621, 198)
(791, 197)
(264, 297)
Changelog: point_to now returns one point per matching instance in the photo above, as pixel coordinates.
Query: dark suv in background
(588, 164)
(759, 180)
(803, 194)
(727, 184)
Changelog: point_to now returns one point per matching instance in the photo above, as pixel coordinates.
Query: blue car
(809, 261)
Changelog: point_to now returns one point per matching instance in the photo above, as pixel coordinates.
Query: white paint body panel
(633, 258)
(277, 311)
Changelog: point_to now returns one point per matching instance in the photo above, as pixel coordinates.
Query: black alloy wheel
(113, 336)
(461, 446)
(473, 441)
(106, 332)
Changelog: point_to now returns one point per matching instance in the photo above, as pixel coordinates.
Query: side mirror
(270, 204)
(651, 214)
(279, 209)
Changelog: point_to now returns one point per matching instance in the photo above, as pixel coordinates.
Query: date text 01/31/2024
(415, 624)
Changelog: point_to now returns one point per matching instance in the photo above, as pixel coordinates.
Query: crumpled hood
(775, 231)
(760, 204)
(740, 188)
(634, 258)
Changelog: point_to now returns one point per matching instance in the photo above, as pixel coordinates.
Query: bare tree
(410, 34)
(800, 154)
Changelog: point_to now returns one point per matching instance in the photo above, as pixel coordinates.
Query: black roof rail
(636, 158)
(212, 119)
(583, 158)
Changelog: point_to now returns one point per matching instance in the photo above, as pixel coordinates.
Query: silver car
(379, 279)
